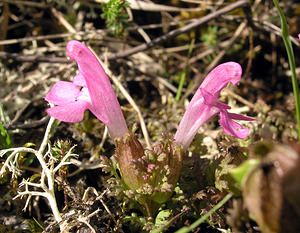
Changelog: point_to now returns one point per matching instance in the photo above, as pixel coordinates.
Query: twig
(85, 165)
(28, 125)
(236, 34)
(216, 59)
(98, 197)
(262, 25)
(19, 113)
(85, 220)
(104, 137)
(239, 98)
(49, 37)
(222, 45)
(105, 206)
(179, 31)
(149, 6)
(205, 216)
(250, 54)
(98, 32)
(168, 85)
(130, 100)
(138, 48)
(269, 27)
(26, 3)
(33, 58)
(4, 19)
(60, 17)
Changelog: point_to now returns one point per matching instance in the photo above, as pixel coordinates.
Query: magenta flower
(90, 89)
(205, 104)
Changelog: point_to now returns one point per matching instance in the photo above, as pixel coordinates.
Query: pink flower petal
(104, 103)
(204, 104)
(62, 92)
(79, 80)
(84, 95)
(209, 99)
(96, 79)
(219, 77)
(231, 127)
(195, 116)
(235, 116)
(70, 112)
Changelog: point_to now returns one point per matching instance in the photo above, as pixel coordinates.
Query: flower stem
(289, 49)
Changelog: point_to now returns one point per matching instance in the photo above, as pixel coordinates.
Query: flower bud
(152, 174)
(129, 154)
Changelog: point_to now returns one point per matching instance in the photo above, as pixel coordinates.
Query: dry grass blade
(60, 17)
(217, 59)
(135, 107)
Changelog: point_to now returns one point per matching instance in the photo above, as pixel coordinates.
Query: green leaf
(161, 221)
(5, 141)
(162, 218)
(241, 172)
(291, 58)
(33, 225)
(115, 15)
(210, 36)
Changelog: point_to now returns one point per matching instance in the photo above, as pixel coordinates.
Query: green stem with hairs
(289, 49)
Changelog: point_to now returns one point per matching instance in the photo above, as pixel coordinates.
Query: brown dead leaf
(271, 191)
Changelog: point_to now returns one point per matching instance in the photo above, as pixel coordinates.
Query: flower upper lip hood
(101, 92)
(205, 104)
(74, 49)
(219, 77)
(91, 89)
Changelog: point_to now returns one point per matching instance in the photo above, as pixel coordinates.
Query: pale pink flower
(205, 104)
(90, 89)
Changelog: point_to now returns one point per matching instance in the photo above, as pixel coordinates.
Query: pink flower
(205, 104)
(90, 89)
